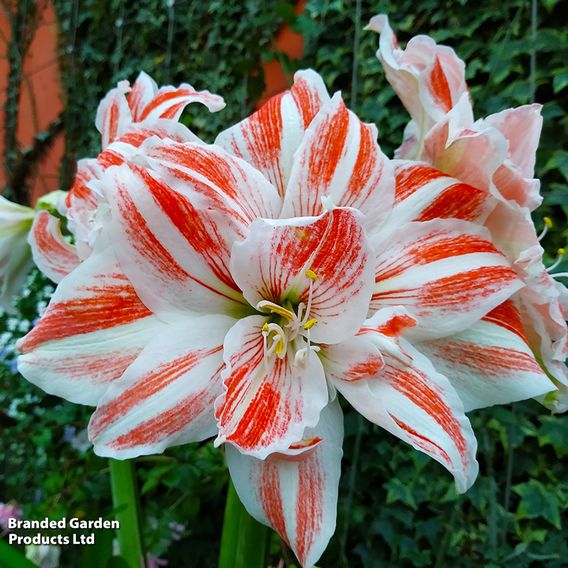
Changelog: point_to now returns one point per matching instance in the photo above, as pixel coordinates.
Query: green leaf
(560, 81)
(537, 501)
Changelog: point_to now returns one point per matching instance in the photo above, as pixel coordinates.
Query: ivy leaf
(537, 501)
(399, 491)
(560, 81)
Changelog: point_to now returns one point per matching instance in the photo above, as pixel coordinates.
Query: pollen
(280, 345)
(561, 251)
(310, 323)
(548, 222)
(265, 328)
(311, 275)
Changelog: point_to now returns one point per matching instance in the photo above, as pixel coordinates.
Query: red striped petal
(176, 255)
(166, 396)
(298, 499)
(170, 102)
(268, 138)
(491, 362)
(93, 328)
(143, 91)
(424, 193)
(266, 405)
(52, 254)
(410, 399)
(339, 158)
(113, 114)
(428, 78)
(445, 272)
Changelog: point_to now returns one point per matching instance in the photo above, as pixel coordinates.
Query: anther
(310, 323)
(311, 275)
(548, 224)
(275, 309)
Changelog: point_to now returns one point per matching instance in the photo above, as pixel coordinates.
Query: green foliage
(212, 45)
(398, 508)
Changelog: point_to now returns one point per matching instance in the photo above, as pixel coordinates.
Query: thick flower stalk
(233, 290)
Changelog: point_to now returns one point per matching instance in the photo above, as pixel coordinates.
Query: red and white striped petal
(446, 272)
(414, 402)
(424, 193)
(297, 498)
(214, 178)
(169, 102)
(521, 127)
(113, 114)
(175, 254)
(339, 158)
(125, 147)
(81, 204)
(143, 91)
(267, 404)
(52, 254)
(464, 150)
(271, 264)
(165, 398)
(428, 78)
(491, 362)
(269, 138)
(93, 328)
(361, 356)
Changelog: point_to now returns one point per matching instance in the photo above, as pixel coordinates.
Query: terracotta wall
(289, 43)
(40, 101)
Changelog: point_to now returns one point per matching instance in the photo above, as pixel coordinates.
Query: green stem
(11, 557)
(127, 512)
(244, 540)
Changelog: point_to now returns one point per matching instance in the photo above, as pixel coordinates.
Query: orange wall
(290, 43)
(40, 99)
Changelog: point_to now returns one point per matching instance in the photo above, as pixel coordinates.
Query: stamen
(276, 309)
(548, 224)
(560, 275)
(310, 323)
(309, 306)
(560, 255)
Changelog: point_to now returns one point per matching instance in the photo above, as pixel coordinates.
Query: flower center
(292, 331)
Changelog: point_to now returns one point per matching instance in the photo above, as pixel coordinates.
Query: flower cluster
(233, 290)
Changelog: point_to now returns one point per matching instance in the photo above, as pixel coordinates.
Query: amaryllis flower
(246, 285)
(15, 256)
(125, 118)
(462, 162)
